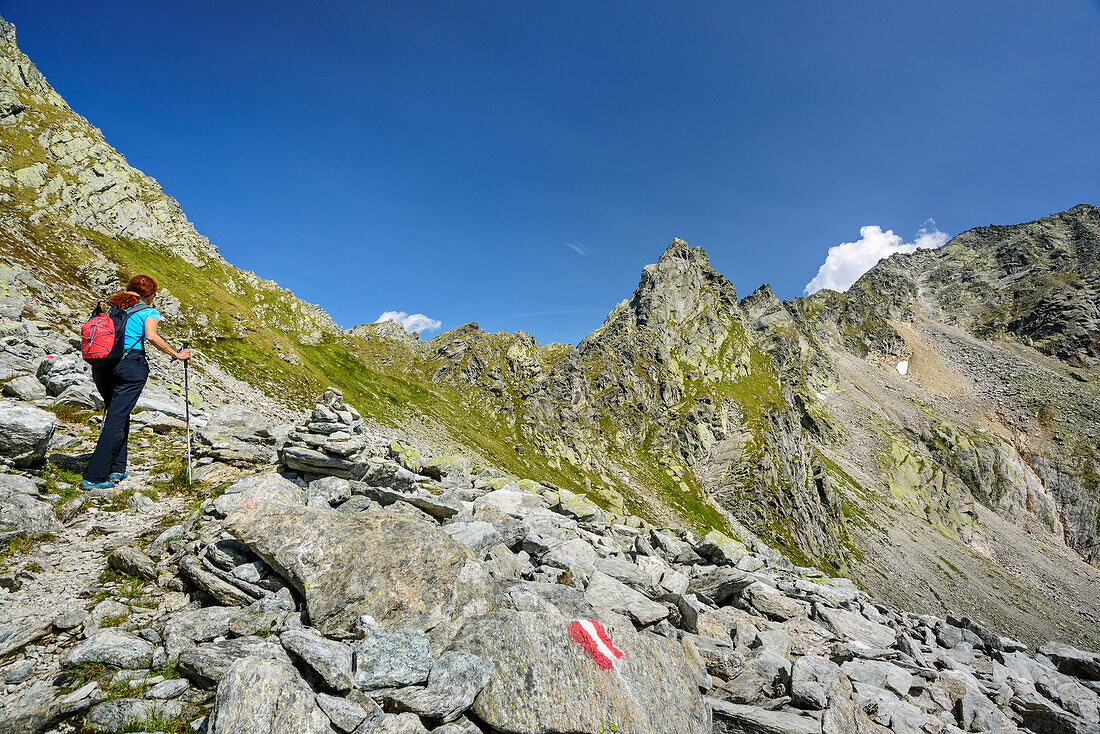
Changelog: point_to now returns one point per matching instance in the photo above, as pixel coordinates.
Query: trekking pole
(187, 412)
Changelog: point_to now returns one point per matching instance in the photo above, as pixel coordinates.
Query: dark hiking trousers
(120, 387)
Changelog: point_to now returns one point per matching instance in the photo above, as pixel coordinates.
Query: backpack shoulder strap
(136, 308)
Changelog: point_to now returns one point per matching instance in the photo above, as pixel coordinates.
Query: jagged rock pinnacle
(7, 31)
(678, 249)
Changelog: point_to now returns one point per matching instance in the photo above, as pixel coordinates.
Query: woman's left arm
(157, 340)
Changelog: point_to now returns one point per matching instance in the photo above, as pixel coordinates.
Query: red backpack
(101, 337)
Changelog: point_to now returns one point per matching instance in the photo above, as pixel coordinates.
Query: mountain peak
(678, 249)
(680, 286)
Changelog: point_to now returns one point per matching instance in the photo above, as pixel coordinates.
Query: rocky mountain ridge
(966, 482)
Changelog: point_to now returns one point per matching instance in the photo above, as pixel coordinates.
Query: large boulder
(1071, 661)
(39, 707)
(129, 714)
(114, 647)
(400, 572)
(852, 626)
(454, 682)
(206, 664)
(22, 514)
(25, 432)
(263, 695)
(545, 681)
(269, 487)
(236, 435)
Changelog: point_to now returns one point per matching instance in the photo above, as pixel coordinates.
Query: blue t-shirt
(134, 336)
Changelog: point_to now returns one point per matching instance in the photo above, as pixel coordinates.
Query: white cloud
(417, 322)
(578, 248)
(847, 261)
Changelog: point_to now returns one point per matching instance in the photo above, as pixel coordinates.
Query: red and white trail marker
(592, 638)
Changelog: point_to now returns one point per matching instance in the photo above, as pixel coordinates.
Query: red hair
(139, 288)
(143, 285)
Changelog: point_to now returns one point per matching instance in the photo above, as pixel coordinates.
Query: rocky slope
(930, 433)
(429, 595)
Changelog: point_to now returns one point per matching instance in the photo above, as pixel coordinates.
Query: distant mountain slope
(933, 430)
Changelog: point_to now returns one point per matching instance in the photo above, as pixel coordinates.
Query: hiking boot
(85, 484)
(117, 477)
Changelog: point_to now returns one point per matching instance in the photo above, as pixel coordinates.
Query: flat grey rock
(205, 664)
(40, 707)
(124, 714)
(264, 695)
(453, 684)
(331, 660)
(345, 715)
(133, 562)
(731, 718)
(1071, 661)
(25, 388)
(384, 659)
(399, 571)
(114, 647)
(881, 674)
(14, 637)
(269, 487)
(186, 628)
(25, 514)
(476, 535)
(391, 724)
(271, 614)
(852, 626)
(173, 688)
(605, 593)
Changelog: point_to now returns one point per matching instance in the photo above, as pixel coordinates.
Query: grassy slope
(240, 338)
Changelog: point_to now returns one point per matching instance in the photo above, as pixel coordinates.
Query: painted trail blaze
(592, 638)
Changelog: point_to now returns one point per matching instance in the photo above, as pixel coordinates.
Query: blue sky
(518, 163)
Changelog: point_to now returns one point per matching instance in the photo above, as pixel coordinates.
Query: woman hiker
(122, 384)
